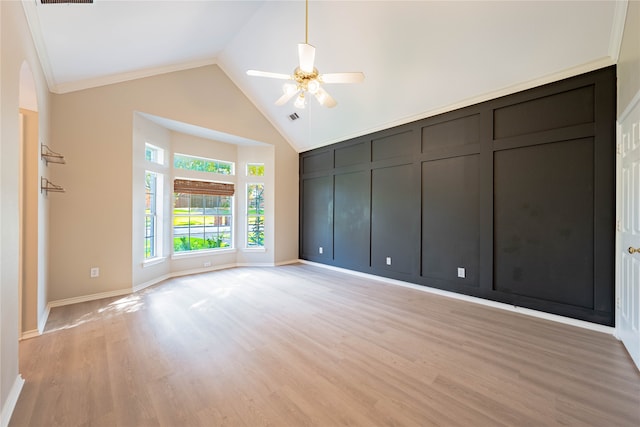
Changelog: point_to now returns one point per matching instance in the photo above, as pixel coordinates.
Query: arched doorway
(29, 274)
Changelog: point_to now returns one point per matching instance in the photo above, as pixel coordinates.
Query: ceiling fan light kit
(307, 78)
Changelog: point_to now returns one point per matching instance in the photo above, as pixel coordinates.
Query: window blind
(187, 186)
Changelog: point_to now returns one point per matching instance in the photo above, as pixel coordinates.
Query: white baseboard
(10, 404)
(291, 261)
(202, 270)
(85, 298)
(152, 282)
(255, 264)
(29, 334)
(136, 288)
(42, 321)
(171, 275)
(164, 277)
(515, 309)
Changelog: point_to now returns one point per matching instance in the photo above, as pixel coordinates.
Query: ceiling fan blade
(356, 77)
(307, 55)
(325, 99)
(268, 74)
(286, 97)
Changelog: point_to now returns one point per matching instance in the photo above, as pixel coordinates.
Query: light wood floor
(299, 345)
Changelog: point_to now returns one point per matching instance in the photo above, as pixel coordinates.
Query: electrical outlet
(462, 273)
(95, 272)
(320, 250)
(388, 260)
(207, 264)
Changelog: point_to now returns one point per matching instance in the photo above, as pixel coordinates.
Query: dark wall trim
(511, 200)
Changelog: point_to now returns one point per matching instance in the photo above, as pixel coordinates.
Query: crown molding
(63, 88)
(33, 22)
(617, 28)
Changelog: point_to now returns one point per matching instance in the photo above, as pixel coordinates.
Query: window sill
(193, 254)
(153, 261)
(253, 250)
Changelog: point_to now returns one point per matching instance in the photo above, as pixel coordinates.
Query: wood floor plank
(300, 345)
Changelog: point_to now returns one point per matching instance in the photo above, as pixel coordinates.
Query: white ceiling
(419, 57)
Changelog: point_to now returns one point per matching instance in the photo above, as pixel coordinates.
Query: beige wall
(16, 47)
(30, 196)
(92, 223)
(629, 59)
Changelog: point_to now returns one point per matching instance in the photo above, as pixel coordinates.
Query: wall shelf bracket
(50, 156)
(47, 186)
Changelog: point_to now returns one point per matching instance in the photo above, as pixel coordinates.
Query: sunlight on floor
(128, 304)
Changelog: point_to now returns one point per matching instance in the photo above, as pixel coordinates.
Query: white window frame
(157, 217)
(158, 158)
(248, 215)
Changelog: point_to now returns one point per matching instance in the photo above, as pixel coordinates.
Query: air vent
(293, 116)
(66, 1)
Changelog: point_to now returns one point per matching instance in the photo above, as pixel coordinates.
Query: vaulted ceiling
(419, 57)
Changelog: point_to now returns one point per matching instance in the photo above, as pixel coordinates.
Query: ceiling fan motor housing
(309, 82)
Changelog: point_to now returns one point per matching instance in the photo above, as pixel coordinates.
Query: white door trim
(627, 311)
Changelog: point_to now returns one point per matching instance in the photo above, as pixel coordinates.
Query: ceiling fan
(306, 76)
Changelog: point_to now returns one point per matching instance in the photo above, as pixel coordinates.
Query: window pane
(255, 199)
(181, 243)
(148, 245)
(153, 154)
(194, 223)
(181, 221)
(255, 231)
(197, 204)
(255, 215)
(182, 202)
(224, 205)
(197, 242)
(224, 168)
(201, 164)
(255, 169)
(151, 182)
(150, 207)
(210, 203)
(198, 225)
(148, 226)
(151, 202)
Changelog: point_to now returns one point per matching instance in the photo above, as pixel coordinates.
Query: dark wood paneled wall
(519, 192)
